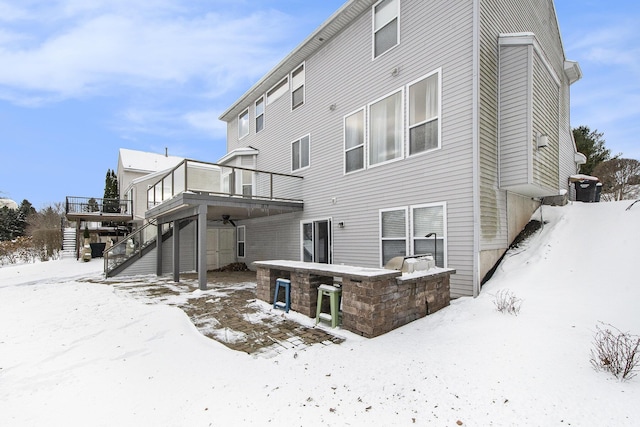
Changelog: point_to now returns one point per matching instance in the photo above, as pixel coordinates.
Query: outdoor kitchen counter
(374, 300)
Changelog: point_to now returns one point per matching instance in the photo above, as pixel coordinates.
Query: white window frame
(313, 222)
(382, 239)
(242, 128)
(243, 241)
(299, 140)
(241, 183)
(362, 110)
(256, 115)
(277, 90)
(438, 116)
(439, 236)
(374, 30)
(401, 133)
(298, 82)
(409, 237)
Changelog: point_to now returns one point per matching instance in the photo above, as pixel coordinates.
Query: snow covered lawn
(77, 353)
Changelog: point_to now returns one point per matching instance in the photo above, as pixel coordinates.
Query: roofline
(327, 30)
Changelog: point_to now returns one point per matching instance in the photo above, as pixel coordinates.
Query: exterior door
(316, 241)
(220, 247)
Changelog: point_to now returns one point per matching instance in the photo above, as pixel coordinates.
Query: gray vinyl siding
(545, 121)
(276, 237)
(515, 98)
(567, 147)
(434, 35)
(143, 266)
(496, 17)
(188, 250)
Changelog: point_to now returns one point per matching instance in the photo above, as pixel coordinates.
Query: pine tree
(111, 202)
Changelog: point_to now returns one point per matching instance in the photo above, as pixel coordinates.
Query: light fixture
(395, 71)
(333, 107)
(341, 224)
(543, 140)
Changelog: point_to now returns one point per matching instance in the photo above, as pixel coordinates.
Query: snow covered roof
(8, 203)
(142, 161)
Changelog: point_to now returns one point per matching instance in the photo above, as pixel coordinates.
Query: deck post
(202, 246)
(176, 251)
(159, 250)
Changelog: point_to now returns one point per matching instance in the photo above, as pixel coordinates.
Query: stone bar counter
(374, 300)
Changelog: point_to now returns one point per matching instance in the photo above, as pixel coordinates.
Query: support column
(202, 247)
(159, 250)
(176, 251)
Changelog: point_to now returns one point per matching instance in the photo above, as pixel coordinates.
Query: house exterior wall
(343, 73)
(496, 205)
(341, 78)
(188, 251)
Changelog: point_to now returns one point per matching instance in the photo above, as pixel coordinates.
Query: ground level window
(393, 234)
(429, 231)
(414, 230)
(316, 241)
(240, 240)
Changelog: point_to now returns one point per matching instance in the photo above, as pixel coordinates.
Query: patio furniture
(334, 294)
(286, 286)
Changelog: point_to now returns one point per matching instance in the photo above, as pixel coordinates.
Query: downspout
(476, 147)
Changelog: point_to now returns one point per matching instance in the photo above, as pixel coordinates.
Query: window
(278, 90)
(240, 240)
(429, 220)
(297, 87)
(385, 26)
(422, 220)
(244, 182)
(300, 153)
(259, 110)
(316, 241)
(393, 234)
(354, 141)
(385, 129)
(424, 113)
(243, 124)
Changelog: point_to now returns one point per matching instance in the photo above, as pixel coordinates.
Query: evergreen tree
(13, 223)
(111, 202)
(591, 144)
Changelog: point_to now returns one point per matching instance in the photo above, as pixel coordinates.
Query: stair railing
(130, 246)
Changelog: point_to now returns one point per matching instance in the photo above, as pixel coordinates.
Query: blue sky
(79, 79)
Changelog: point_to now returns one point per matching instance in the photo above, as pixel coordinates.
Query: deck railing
(130, 246)
(91, 205)
(223, 180)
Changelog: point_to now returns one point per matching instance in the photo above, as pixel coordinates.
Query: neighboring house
(401, 119)
(136, 171)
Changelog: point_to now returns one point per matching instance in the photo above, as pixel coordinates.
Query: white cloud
(208, 122)
(94, 55)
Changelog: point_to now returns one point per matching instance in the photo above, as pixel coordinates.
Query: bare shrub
(615, 352)
(507, 302)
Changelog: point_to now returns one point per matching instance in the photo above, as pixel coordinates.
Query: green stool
(334, 294)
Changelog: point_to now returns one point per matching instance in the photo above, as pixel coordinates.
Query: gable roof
(332, 26)
(141, 161)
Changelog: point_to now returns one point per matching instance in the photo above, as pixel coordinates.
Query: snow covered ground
(75, 353)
